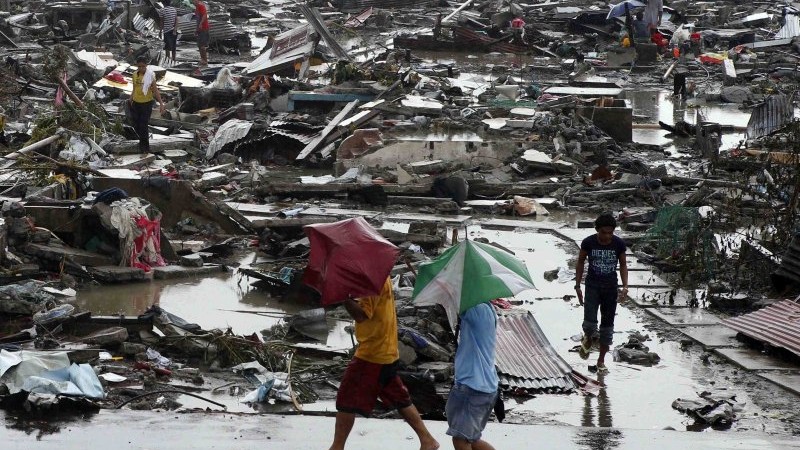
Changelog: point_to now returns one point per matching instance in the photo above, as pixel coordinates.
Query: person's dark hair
(142, 59)
(639, 15)
(605, 220)
(167, 2)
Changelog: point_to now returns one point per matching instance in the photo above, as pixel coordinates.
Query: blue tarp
(618, 10)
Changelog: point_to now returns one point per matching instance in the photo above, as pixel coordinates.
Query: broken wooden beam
(328, 129)
(37, 145)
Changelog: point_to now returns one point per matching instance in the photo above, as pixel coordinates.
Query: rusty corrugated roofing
(777, 325)
(525, 359)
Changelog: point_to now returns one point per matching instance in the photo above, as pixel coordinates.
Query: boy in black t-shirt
(603, 250)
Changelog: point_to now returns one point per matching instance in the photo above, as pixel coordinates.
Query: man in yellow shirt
(141, 101)
(372, 373)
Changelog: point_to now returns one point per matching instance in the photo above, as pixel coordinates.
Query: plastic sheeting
(76, 380)
(47, 373)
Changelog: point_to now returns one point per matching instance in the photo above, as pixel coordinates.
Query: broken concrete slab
(171, 272)
(680, 317)
(787, 380)
(712, 336)
(117, 274)
(754, 360)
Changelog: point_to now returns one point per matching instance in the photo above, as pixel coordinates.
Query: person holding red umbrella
(372, 373)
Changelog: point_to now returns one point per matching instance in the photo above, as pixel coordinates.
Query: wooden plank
(730, 71)
(330, 127)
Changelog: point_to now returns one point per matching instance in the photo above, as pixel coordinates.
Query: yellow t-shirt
(377, 336)
(139, 96)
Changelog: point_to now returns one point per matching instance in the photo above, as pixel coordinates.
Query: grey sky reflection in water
(597, 414)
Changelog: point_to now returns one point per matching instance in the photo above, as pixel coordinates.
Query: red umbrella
(348, 258)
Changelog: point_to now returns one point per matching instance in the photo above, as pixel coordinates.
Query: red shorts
(364, 382)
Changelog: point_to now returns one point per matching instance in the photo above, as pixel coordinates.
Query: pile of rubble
(312, 112)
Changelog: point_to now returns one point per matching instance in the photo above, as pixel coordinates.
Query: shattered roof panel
(791, 29)
(525, 358)
(288, 47)
(771, 115)
(230, 131)
(777, 325)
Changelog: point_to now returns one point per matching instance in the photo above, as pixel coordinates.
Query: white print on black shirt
(603, 262)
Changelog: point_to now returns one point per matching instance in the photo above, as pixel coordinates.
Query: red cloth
(116, 77)
(151, 232)
(201, 11)
(518, 23)
(364, 382)
(348, 258)
(658, 39)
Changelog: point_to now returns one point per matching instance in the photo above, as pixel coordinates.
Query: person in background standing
(202, 31)
(169, 27)
(141, 101)
(474, 392)
(653, 12)
(603, 250)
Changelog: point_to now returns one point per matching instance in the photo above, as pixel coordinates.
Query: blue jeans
(468, 412)
(604, 299)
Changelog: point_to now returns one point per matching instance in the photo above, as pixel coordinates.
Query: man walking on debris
(169, 27)
(202, 30)
(141, 101)
(372, 373)
(603, 250)
(474, 392)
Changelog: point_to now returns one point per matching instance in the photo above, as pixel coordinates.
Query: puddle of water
(633, 398)
(221, 301)
(661, 106)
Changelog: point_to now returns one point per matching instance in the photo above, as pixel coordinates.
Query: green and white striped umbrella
(467, 274)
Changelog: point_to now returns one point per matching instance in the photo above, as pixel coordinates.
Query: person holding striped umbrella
(463, 280)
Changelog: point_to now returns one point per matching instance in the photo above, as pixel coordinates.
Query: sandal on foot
(601, 368)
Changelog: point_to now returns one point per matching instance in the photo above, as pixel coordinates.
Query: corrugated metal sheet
(360, 5)
(230, 131)
(771, 115)
(525, 359)
(778, 325)
(218, 30)
(790, 29)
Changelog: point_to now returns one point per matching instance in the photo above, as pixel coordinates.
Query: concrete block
(172, 271)
(117, 274)
(646, 53)
(754, 360)
(684, 316)
(712, 336)
(192, 260)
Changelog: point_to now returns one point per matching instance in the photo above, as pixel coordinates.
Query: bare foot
(429, 444)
